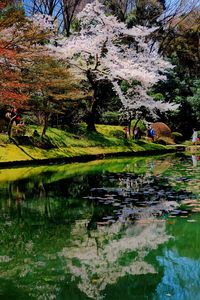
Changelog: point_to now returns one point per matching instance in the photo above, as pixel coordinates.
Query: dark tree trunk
(129, 126)
(90, 122)
(10, 129)
(10, 125)
(91, 116)
(93, 109)
(46, 119)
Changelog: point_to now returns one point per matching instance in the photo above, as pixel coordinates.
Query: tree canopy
(61, 54)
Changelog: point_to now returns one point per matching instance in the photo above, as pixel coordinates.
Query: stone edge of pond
(82, 158)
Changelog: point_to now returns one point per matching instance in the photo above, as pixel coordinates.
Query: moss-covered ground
(67, 143)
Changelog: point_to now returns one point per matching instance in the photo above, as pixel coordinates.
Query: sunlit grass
(79, 142)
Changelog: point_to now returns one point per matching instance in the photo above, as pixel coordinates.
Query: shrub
(140, 124)
(110, 118)
(177, 136)
(19, 130)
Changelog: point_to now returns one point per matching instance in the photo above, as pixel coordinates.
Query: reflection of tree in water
(56, 201)
(60, 232)
(50, 254)
(113, 196)
(133, 196)
(185, 176)
(111, 253)
(53, 202)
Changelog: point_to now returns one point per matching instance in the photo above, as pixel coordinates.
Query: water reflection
(93, 231)
(180, 279)
(111, 253)
(195, 159)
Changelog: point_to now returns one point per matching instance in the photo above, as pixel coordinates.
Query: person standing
(194, 136)
(126, 132)
(151, 133)
(137, 133)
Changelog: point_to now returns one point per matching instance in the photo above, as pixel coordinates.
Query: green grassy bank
(60, 144)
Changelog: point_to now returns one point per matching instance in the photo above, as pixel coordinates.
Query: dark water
(101, 230)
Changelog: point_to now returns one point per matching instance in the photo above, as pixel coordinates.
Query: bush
(19, 130)
(177, 136)
(140, 124)
(110, 118)
(3, 125)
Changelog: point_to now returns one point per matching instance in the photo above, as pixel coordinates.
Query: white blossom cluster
(43, 22)
(111, 51)
(30, 32)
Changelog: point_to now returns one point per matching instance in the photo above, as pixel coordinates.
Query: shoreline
(63, 147)
(83, 158)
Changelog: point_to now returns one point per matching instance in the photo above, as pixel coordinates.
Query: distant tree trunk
(10, 129)
(67, 22)
(129, 125)
(10, 124)
(93, 109)
(91, 117)
(46, 119)
(70, 8)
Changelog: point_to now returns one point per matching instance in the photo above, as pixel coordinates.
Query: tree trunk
(91, 121)
(11, 122)
(10, 130)
(129, 126)
(93, 109)
(46, 119)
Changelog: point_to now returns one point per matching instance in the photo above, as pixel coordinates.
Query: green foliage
(182, 43)
(110, 118)
(124, 86)
(140, 124)
(148, 12)
(158, 96)
(177, 89)
(177, 137)
(195, 100)
(75, 26)
(131, 19)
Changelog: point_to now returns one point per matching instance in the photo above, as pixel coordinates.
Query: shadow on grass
(101, 140)
(16, 144)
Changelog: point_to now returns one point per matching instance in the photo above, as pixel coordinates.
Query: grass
(107, 139)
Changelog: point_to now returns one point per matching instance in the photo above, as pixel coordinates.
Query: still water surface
(101, 230)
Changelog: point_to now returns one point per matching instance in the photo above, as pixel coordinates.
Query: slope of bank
(59, 144)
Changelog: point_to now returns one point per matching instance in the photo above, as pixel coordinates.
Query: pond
(115, 229)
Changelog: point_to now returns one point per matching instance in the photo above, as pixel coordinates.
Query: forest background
(48, 91)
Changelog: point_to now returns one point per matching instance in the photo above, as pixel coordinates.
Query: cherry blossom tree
(106, 50)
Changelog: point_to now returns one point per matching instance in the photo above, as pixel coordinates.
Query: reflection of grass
(137, 165)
